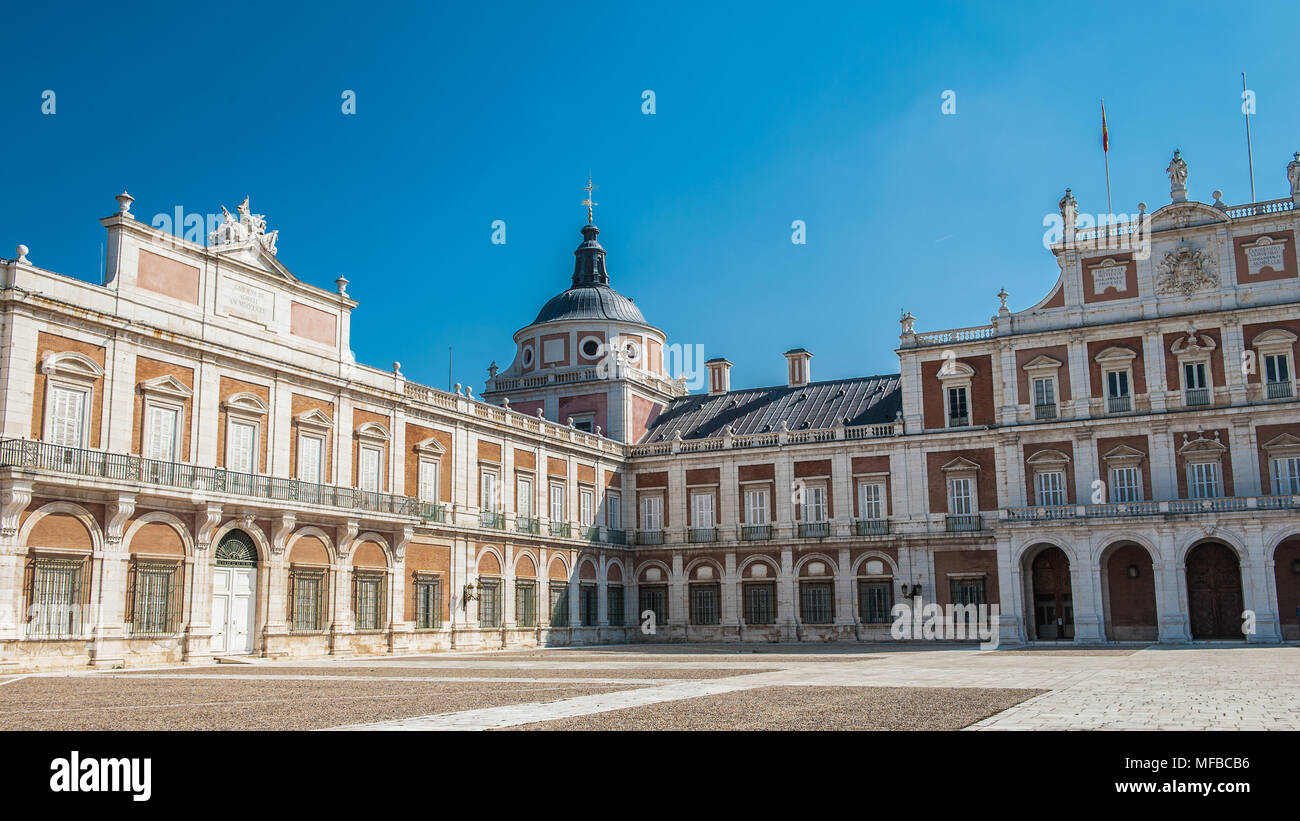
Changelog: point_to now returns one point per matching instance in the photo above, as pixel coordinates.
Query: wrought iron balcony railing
(616, 536)
(1221, 504)
(756, 532)
(32, 454)
(591, 533)
(1196, 396)
(1279, 390)
(1045, 411)
(527, 524)
(814, 530)
(1119, 404)
(703, 534)
(561, 529)
(958, 421)
(649, 537)
(871, 527)
(960, 524)
(496, 521)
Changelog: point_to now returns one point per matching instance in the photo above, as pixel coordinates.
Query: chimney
(800, 366)
(719, 375)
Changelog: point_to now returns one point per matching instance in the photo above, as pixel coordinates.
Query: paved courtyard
(654, 687)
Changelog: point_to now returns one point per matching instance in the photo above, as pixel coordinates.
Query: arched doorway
(234, 586)
(1053, 602)
(1129, 585)
(1214, 601)
(1286, 572)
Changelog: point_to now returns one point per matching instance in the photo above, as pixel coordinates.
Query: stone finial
(342, 283)
(570, 421)
(908, 322)
(1142, 208)
(458, 393)
(1177, 172)
(21, 251)
(1218, 199)
(1002, 298)
(505, 402)
(540, 413)
(492, 369)
(124, 201)
(469, 391)
(598, 430)
(397, 368)
(1293, 175)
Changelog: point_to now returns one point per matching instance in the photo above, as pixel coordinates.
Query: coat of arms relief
(1186, 270)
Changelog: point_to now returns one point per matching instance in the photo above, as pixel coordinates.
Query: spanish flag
(1105, 138)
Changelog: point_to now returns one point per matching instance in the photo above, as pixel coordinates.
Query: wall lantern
(471, 593)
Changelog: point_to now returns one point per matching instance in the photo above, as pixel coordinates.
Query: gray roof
(590, 302)
(863, 400)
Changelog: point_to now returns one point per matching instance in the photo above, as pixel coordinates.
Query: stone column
(786, 597)
(730, 594)
(277, 614)
(1011, 628)
(1171, 587)
(679, 614)
(844, 617)
(199, 634)
(1258, 586)
(1085, 591)
(343, 621)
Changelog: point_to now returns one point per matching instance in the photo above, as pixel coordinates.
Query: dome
(597, 302)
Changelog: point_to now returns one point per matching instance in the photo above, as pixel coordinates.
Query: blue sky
(765, 114)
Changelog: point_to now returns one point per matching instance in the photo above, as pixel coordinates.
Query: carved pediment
(1201, 449)
(245, 402)
(314, 418)
(1115, 355)
(167, 385)
(430, 446)
(952, 369)
(1048, 458)
(1280, 447)
(1194, 343)
(1042, 363)
(71, 363)
(373, 430)
(960, 465)
(1123, 456)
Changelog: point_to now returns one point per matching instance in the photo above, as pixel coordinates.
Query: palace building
(193, 464)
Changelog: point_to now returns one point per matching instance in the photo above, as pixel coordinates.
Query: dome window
(591, 347)
(528, 356)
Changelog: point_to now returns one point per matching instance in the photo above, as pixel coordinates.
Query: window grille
(559, 604)
(704, 603)
(526, 603)
(428, 602)
(760, 602)
(816, 603)
(875, 600)
(308, 590)
(968, 591)
(588, 605)
(57, 596)
(614, 595)
(489, 602)
(153, 597)
(655, 599)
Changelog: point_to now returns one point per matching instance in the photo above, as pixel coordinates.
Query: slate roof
(864, 400)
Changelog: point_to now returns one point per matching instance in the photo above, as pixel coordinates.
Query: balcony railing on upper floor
(871, 527)
(1279, 390)
(703, 534)
(1045, 411)
(488, 518)
(32, 454)
(1119, 404)
(764, 440)
(1265, 207)
(527, 524)
(955, 335)
(1193, 397)
(756, 532)
(1222, 504)
(814, 530)
(561, 529)
(615, 536)
(962, 523)
(649, 537)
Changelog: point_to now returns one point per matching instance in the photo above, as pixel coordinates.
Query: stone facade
(193, 464)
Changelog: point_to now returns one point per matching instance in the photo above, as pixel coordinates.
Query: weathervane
(587, 202)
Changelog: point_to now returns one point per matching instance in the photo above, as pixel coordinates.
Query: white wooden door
(232, 609)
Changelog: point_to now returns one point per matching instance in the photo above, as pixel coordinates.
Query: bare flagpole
(1245, 109)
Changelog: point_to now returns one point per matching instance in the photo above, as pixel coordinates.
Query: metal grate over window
(153, 597)
(588, 606)
(559, 604)
(615, 594)
(875, 600)
(526, 603)
(705, 603)
(56, 597)
(307, 597)
(815, 603)
(368, 600)
(489, 602)
(428, 602)
(760, 602)
(655, 599)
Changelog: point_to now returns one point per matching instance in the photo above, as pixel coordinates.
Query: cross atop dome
(587, 202)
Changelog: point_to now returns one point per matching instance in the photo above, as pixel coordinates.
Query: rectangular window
(654, 599)
(557, 503)
(428, 602)
(705, 603)
(1277, 368)
(756, 506)
(489, 602)
(958, 411)
(524, 496)
(814, 503)
(56, 591)
(967, 590)
(760, 602)
(1203, 480)
(241, 454)
(160, 433)
(1286, 476)
(1049, 488)
(588, 605)
(875, 600)
(368, 593)
(871, 500)
(586, 506)
(702, 509)
(615, 601)
(1117, 384)
(1044, 392)
(153, 597)
(652, 513)
(311, 459)
(559, 604)
(307, 591)
(816, 603)
(372, 463)
(613, 510)
(526, 603)
(428, 480)
(68, 413)
(1194, 375)
(961, 501)
(488, 499)
(1125, 485)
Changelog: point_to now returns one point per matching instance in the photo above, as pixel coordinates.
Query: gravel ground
(135, 703)
(1050, 651)
(665, 672)
(670, 658)
(808, 708)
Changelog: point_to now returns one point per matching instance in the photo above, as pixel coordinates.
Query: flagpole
(1250, 159)
(1105, 153)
